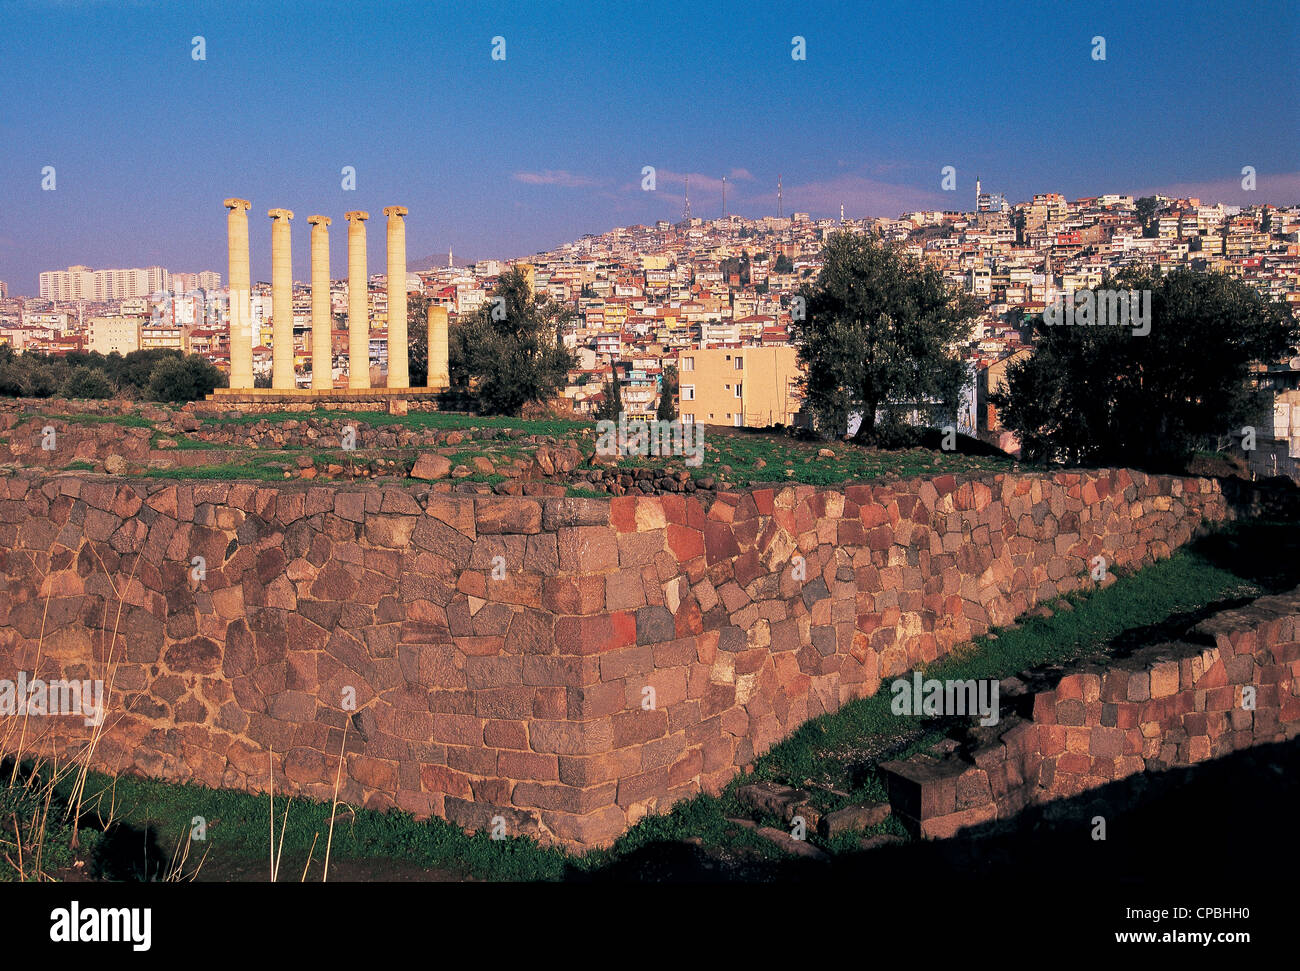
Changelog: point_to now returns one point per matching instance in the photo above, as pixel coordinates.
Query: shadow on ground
(1216, 821)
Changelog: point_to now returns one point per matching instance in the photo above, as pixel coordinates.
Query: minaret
(686, 207)
(450, 261)
(841, 214)
(724, 197)
(778, 195)
(977, 193)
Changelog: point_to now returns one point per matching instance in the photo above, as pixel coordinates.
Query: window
(738, 390)
(688, 392)
(688, 364)
(740, 363)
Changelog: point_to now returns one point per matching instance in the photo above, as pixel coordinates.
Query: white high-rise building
(101, 286)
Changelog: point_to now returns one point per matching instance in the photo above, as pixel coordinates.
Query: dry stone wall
(568, 664)
(1231, 685)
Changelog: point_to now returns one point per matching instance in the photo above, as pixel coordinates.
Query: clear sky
(505, 158)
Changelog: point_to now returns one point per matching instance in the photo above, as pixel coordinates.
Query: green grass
(733, 457)
(446, 421)
(127, 421)
(261, 470)
(238, 827)
(826, 750)
(23, 805)
(1181, 583)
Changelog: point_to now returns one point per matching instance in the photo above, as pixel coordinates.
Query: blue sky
(504, 158)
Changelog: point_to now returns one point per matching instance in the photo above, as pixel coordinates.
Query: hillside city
(712, 299)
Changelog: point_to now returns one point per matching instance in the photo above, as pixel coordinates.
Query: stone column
(439, 373)
(322, 356)
(282, 378)
(358, 302)
(398, 347)
(241, 330)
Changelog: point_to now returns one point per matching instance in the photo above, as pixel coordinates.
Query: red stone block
(506, 734)
(674, 507)
(623, 630)
(1070, 688)
(850, 532)
(550, 702)
(573, 595)
(1075, 763)
(622, 513)
(880, 538)
(719, 543)
(1045, 708)
(1106, 743)
(528, 765)
(1220, 699)
(684, 542)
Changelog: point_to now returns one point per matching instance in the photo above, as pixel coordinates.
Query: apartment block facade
(739, 386)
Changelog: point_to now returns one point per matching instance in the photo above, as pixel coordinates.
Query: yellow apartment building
(109, 334)
(165, 337)
(739, 386)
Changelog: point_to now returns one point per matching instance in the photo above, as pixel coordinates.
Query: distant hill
(439, 260)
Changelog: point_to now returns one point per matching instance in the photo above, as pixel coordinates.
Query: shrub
(84, 382)
(185, 379)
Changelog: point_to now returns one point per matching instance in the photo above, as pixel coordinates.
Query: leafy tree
(42, 379)
(666, 410)
(1103, 395)
(84, 382)
(512, 349)
(184, 379)
(417, 335)
(783, 264)
(458, 355)
(134, 371)
(1146, 213)
(612, 406)
(880, 335)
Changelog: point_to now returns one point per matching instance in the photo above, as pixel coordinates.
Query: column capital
(356, 215)
(237, 204)
(319, 220)
(280, 213)
(395, 211)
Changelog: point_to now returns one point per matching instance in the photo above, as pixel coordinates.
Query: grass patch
(441, 420)
(126, 421)
(238, 831)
